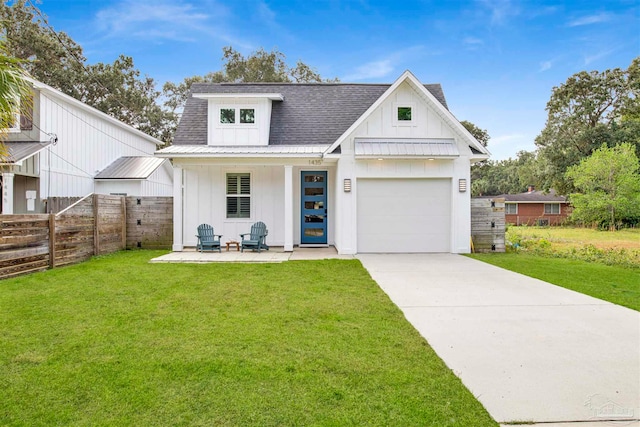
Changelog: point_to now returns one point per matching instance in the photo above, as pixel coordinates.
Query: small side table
(231, 243)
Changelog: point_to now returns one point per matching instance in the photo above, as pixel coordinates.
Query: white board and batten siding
(403, 205)
(87, 143)
(383, 122)
(226, 134)
(205, 201)
(159, 183)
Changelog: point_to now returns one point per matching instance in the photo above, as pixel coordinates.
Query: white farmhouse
(69, 149)
(362, 167)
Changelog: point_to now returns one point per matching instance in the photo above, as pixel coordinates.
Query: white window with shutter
(238, 195)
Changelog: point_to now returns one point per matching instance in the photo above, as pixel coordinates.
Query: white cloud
(382, 67)
(371, 70)
(544, 66)
(163, 20)
(267, 15)
(589, 19)
(472, 41)
(501, 10)
(504, 139)
(588, 59)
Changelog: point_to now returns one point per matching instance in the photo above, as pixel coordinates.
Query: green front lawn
(118, 341)
(618, 285)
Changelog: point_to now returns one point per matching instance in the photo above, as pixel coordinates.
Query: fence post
(96, 224)
(123, 200)
(52, 240)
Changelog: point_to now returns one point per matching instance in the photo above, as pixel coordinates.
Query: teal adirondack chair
(256, 240)
(207, 239)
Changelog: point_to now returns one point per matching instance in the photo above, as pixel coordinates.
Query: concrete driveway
(528, 350)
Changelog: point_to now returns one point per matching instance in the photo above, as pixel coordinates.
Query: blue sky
(497, 60)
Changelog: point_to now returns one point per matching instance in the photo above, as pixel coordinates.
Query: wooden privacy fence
(149, 222)
(57, 204)
(488, 225)
(94, 225)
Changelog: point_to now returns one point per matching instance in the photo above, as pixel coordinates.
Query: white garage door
(404, 215)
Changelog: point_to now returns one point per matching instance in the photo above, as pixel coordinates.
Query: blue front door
(314, 208)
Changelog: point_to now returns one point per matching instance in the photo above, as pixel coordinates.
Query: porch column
(288, 208)
(177, 209)
(7, 192)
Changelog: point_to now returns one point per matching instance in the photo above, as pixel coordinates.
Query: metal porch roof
(130, 168)
(242, 151)
(406, 147)
(19, 151)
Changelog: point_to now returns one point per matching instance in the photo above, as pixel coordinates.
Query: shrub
(541, 246)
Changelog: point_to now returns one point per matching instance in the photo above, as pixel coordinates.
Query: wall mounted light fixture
(462, 185)
(347, 185)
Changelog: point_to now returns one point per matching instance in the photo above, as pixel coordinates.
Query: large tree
(509, 176)
(54, 58)
(589, 109)
(259, 66)
(609, 187)
(480, 134)
(491, 178)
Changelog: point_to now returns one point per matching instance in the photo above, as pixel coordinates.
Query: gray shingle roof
(310, 113)
(535, 197)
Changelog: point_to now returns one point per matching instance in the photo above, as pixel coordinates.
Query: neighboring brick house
(535, 208)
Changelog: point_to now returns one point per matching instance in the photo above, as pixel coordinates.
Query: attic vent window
(227, 115)
(404, 114)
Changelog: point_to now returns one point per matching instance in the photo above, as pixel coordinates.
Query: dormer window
(227, 115)
(247, 115)
(237, 115)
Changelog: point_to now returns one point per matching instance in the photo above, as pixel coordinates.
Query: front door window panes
(314, 178)
(313, 191)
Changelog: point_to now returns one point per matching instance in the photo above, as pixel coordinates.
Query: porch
(275, 254)
(295, 201)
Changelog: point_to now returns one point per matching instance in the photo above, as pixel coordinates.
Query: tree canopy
(15, 93)
(118, 88)
(589, 109)
(54, 58)
(609, 187)
(259, 66)
(478, 133)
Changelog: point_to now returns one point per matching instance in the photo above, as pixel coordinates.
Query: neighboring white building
(363, 167)
(61, 150)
